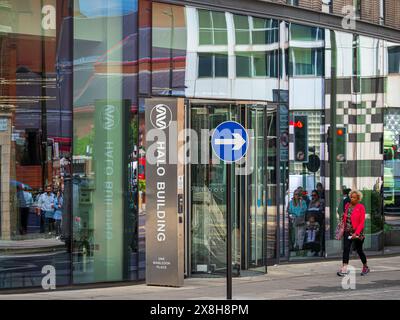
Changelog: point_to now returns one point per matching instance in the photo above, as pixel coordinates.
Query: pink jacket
(357, 218)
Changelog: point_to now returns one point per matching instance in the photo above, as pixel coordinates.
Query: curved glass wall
(338, 85)
(35, 143)
(105, 156)
(391, 173)
(72, 132)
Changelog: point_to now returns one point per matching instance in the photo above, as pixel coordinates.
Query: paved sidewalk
(287, 281)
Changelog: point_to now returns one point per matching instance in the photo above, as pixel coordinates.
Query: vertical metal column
(43, 106)
(332, 140)
(278, 183)
(188, 203)
(265, 189)
(228, 232)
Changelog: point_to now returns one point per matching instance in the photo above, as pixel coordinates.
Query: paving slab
(302, 281)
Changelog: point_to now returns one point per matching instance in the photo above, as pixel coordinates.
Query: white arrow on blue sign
(230, 141)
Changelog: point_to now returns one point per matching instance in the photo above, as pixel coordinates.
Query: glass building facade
(322, 107)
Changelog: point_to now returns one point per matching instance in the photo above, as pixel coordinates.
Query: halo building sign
(109, 135)
(164, 218)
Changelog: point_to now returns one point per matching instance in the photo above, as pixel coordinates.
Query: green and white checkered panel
(362, 115)
(392, 123)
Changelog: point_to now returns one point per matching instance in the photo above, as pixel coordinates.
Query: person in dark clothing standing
(25, 201)
(320, 190)
(46, 205)
(345, 200)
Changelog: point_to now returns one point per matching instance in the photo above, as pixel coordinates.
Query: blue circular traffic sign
(230, 141)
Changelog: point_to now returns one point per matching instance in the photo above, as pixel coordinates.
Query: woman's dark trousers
(358, 244)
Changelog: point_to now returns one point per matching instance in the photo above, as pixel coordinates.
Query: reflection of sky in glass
(96, 8)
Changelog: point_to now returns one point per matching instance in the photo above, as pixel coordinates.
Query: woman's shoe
(365, 270)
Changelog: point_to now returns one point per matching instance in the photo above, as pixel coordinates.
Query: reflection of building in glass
(73, 100)
(35, 133)
(233, 56)
(315, 125)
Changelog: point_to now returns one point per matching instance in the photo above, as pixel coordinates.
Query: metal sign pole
(228, 232)
(230, 147)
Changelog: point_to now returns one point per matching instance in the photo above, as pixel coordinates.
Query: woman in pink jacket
(354, 221)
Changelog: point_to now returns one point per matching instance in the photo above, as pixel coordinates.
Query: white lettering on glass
(49, 280)
(49, 19)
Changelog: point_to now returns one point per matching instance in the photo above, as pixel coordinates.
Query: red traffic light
(297, 124)
(339, 132)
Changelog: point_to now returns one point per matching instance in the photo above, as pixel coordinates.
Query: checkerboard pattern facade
(363, 120)
(362, 115)
(392, 124)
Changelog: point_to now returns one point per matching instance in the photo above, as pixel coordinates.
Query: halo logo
(161, 116)
(109, 117)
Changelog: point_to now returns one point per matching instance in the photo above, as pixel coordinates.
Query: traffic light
(341, 144)
(300, 139)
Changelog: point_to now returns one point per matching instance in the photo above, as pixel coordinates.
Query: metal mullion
(246, 202)
(265, 255)
(212, 27)
(251, 28)
(188, 180)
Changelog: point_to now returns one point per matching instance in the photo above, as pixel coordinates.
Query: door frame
(243, 200)
(246, 222)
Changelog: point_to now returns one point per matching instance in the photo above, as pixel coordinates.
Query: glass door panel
(208, 194)
(251, 194)
(257, 188)
(271, 177)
